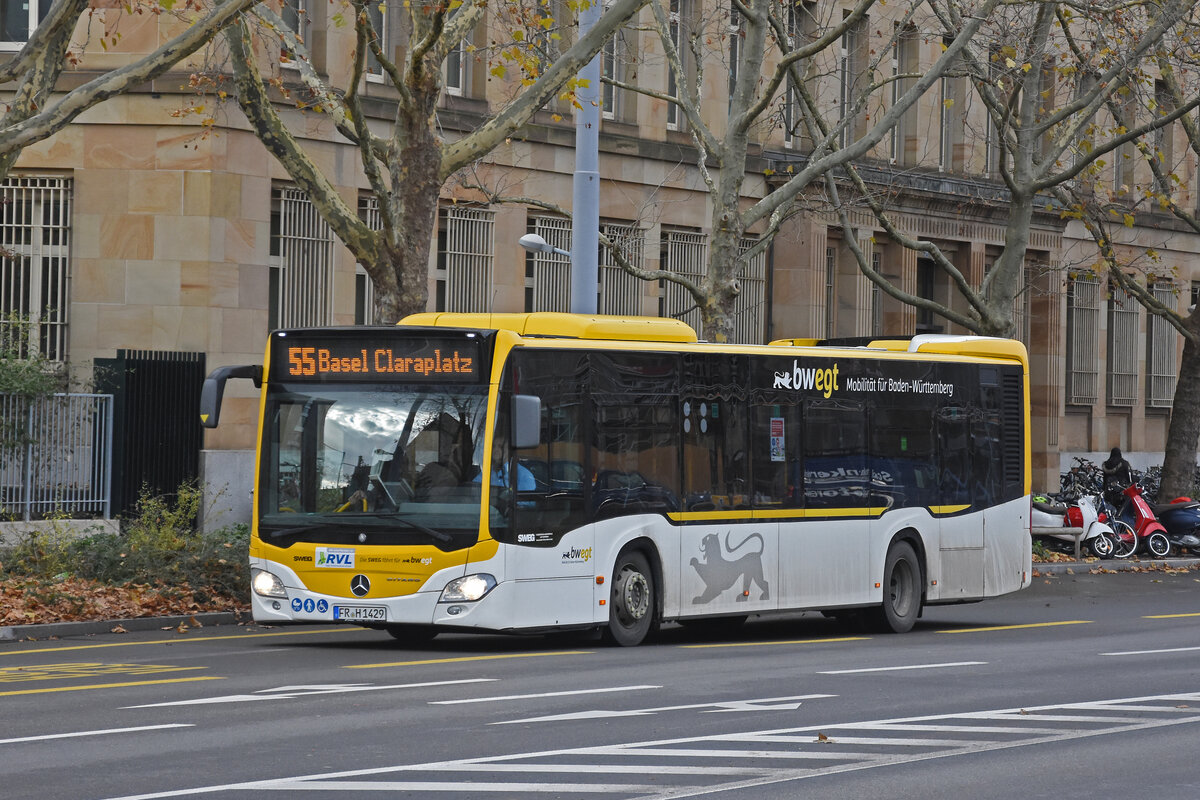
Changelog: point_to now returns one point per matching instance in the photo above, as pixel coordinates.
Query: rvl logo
(334, 557)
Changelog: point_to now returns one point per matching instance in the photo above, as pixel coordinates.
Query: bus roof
(552, 324)
(570, 326)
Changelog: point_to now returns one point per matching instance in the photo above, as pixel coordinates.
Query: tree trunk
(1183, 435)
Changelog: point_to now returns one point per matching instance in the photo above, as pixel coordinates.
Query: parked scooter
(1181, 518)
(1099, 537)
(1138, 513)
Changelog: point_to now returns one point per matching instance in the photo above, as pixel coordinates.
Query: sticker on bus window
(777, 451)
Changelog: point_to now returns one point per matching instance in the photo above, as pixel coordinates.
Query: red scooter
(1150, 532)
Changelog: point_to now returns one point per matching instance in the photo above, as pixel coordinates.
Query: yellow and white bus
(541, 472)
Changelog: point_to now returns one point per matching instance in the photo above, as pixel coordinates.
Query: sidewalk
(60, 630)
(1113, 565)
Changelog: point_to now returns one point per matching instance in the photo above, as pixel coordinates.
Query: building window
(1122, 348)
(295, 16)
(614, 54)
(748, 308)
(548, 275)
(377, 13)
(1126, 155)
(620, 292)
(19, 19)
(1083, 340)
(830, 291)
(684, 253)
(364, 289)
(675, 29)
(734, 31)
(876, 296)
(35, 235)
(850, 67)
(301, 274)
(910, 65)
(1160, 351)
(895, 137)
(464, 258)
(1164, 148)
(801, 28)
(455, 71)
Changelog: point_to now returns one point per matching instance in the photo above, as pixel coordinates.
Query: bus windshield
(403, 461)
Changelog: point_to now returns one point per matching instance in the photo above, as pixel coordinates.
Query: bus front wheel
(901, 590)
(632, 603)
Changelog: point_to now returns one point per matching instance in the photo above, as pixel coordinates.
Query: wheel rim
(633, 596)
(1158, 544)
(1103, 546)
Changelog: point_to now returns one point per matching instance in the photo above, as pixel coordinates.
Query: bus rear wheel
(901, 590)
(633, 601)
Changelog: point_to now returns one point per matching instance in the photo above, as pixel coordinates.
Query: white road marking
(290, 692)
(910, 666)
(567, 789)
(709, 747)
(762, 704)
(77, 734)
(540, 694)
(1151, 652)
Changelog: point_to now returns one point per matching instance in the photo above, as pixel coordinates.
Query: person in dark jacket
(1118, 476)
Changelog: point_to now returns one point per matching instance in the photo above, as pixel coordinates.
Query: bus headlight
(468, 588)
(266, 584)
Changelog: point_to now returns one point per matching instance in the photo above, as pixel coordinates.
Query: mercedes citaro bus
(541, 472)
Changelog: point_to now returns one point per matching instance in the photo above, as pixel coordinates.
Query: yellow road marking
(109, 685)
(183, 639)
(469, 658)
(49, 672)
(1172, 616)
(1015, 627)
(792, 641)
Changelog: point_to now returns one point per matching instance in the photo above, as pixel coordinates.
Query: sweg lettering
(577, 555)
(824, 380)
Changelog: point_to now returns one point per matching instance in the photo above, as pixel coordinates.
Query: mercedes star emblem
(360, 585)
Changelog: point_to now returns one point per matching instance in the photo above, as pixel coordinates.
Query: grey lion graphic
(719, 572)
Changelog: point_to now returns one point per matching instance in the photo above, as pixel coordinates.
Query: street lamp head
(536, 244)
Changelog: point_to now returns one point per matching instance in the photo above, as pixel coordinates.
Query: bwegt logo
(577, 555)
(824, 380)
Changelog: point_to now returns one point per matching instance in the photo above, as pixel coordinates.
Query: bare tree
(34, 113)
(407, 168)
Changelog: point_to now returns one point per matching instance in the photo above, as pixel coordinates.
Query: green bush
(158, 545)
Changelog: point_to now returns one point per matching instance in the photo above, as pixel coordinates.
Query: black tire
(902, 584)
(632, 602)
(412, 634)
(1158, 545)
(1102, 546)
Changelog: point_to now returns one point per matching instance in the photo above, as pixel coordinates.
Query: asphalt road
(1082, 686)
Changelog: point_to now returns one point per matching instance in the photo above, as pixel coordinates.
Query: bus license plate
(359, 613)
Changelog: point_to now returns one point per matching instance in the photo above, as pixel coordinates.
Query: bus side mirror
(526, 421)
(214, 390)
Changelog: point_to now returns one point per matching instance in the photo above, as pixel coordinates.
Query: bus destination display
(352, 359)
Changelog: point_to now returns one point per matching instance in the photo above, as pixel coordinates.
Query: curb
(1112, 565)
(58, 630)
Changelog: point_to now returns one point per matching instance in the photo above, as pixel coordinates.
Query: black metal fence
(156, 421)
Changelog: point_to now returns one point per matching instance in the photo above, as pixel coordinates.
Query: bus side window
(836, 473)
(775, 455)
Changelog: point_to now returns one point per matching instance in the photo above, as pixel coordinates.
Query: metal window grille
(465, 258)
(303, 282)
(748, 317)
(684, 253)
(548, 275)
(61, 458)
(830, 290)
(35, 237)
(876, 296)
(1160, 351)
(620, 292)
(364, 289)
(1122, 348)
(1083, 339)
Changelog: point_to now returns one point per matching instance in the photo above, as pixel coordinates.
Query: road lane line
(182, 638)
(109, 685)
(793, 641)
(467, 658)
(1172, 616)
(909, 666)
(1018, 627)
(1151, 652)
(292, 692)
(426, 787)
(541, 694)
(757, 704)
(77, 734)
